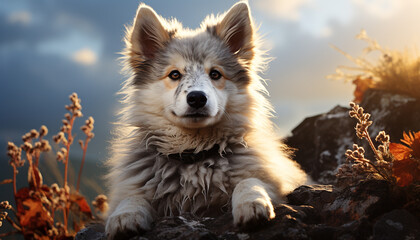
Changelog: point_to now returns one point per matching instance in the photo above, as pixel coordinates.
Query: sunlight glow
(20, 17)
(85, 56)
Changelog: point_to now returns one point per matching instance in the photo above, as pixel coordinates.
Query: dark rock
(179, 228)
(367, 199)
(313, 212)
(322, 140)
(290, 223)
(314, 195)
(336, 207)
(92, 232)
(397, 224)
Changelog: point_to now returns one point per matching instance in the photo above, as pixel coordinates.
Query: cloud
(379, 8)
(84, 56)
(20, 17)
(284, 9)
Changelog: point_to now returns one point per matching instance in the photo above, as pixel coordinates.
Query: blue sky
(49, 49)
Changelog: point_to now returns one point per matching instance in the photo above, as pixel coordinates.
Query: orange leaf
(399, 151)
(415, 146)
(31, 212)
(81, 204)
(404, 179)
(362, 84)
(405, 171)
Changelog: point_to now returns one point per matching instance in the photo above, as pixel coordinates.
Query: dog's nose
(196, 99)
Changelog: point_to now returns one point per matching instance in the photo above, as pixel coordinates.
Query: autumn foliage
(406, 165)
(362, 85)
(42, 211)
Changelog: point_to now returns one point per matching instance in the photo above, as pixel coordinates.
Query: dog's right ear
(236, 30)
(148, 34)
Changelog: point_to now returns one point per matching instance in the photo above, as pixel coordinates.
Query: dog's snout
(196, 99)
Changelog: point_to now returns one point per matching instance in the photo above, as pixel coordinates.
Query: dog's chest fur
(174, 186)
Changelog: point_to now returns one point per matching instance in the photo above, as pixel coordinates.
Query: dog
(195, 133)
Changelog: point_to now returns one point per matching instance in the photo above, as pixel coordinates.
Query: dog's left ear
(148, 35)
(236, 30)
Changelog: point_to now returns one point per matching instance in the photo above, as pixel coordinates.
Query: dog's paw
(127, 224)
(254, 212)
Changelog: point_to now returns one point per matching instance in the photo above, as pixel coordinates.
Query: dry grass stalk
(87, 129)
(395, 71)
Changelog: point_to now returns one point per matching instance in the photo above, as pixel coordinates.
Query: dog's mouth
(196, 115)
(193, 119)
(192, 115)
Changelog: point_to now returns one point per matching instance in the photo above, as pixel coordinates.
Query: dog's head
(193, 78)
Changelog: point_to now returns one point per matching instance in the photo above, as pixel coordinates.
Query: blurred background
(49, 49)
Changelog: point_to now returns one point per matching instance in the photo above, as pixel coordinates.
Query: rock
(314, 195)
(340, 206)
(92, 232)
(367, 199)
(313, 212)
(290, 223)
(397, 224)
(322, 140)
(179, 228)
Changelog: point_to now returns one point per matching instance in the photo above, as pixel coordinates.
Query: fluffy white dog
(195, 134)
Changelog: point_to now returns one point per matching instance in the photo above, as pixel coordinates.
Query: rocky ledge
(369, 210)
(322, 140)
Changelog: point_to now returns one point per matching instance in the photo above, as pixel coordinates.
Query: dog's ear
(236, 29)
(148, 34)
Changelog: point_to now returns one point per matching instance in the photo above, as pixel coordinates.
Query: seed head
(382, 137)
(100, 203)
(34, 133)
(5, 205)
(43, 131)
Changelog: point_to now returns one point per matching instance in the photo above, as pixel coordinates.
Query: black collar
(189, 157)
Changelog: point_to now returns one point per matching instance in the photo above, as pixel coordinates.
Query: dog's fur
(245, 168)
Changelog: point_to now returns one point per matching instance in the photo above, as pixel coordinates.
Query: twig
(69, 142)
(38, 155)
(65, 216)
(14, 180)
(31, 166)
(371, 144)
(15, 225)
(66, 166)
(85, 146)
(9, 233)
(377, 156)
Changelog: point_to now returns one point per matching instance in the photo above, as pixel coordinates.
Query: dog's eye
(215, 75)
(174, 75)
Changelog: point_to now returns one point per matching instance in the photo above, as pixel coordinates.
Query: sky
(49, 49)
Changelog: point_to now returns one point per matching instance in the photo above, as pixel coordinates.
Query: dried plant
(100, 203)
(87, 129)
(395, 163)
(394, 71)
(37, 204)
(357, 167)
(3, 214)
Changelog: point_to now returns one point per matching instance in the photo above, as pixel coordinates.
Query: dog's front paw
(253, 212)
(127, 224)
